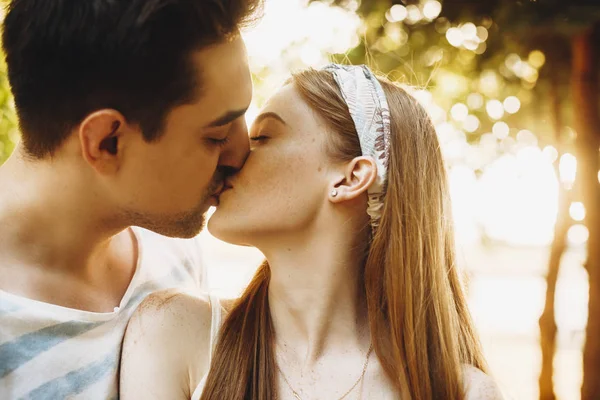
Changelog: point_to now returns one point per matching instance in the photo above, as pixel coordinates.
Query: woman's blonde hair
(420, 325)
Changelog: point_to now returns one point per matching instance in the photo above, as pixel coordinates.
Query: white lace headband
(371, 115)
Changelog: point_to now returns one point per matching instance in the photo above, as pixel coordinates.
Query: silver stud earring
(334, 193)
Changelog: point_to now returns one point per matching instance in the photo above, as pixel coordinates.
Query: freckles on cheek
(281, 174)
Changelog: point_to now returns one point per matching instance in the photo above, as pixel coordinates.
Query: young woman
(345, 193)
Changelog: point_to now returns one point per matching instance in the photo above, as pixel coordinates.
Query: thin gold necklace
(360, 378)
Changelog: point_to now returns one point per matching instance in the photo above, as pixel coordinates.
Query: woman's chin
(224, 229)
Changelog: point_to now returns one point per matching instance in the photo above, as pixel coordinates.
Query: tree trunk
(547, 321)
(585, 104)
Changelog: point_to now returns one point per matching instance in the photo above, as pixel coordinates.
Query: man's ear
(358, 175)
(100, 136)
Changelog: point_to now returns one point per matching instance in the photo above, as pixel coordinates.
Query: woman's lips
(226, 186)
(225, 189)
(217, 195)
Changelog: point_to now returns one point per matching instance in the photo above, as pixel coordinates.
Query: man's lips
(226, 186)
(223, 188)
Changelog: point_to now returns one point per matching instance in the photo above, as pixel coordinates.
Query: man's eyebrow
(228, 117)
(266, 115)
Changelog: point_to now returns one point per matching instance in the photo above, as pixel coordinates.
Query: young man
(131, 113)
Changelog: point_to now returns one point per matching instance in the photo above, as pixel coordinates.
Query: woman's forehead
(291, 107)
(285, 100)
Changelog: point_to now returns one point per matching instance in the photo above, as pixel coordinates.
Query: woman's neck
(316, 296)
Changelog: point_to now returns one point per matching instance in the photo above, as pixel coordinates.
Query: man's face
(168, 185)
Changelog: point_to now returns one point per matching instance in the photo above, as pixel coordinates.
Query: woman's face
(284, 184)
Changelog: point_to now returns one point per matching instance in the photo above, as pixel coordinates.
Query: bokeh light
(454, 37)
(475, 101)
(397, 13)
(469, 31)
(512, 104)
(568, 168)
(536, 59)
(471, 123)
(459, 112)
(482, 33)
(577, 211)
(414, 14)
(527, 138)
(489, 83)
(495, 109)
(518, 202)
(432, 9)
(550, 153)
(577, 235)
(500, 130)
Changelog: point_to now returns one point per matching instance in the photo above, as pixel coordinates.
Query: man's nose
(234, 155)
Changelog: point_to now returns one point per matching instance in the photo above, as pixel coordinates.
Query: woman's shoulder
(172, 318)
(168, 337)
(479, 385)
(166, 302)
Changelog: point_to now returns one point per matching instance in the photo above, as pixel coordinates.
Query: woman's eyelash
(258, 138)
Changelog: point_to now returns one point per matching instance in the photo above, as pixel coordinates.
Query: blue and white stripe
(51, 352)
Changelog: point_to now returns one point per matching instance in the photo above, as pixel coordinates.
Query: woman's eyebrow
(269, 114)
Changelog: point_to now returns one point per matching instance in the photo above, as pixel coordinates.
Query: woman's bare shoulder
(479, 385)
(228, 304)
(166, 344)
(175, 305)
(170, 312)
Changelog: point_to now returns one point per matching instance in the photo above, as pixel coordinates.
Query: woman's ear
(359, 175)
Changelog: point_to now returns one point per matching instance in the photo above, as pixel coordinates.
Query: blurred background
(512, 87)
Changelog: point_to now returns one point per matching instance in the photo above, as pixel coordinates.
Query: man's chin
(184, 225)
(191, 225)
(212, 201)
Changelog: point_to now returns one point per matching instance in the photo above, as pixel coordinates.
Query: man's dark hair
(67, 58)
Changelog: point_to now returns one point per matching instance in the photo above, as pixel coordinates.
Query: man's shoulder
(184, 255)
(176, 246)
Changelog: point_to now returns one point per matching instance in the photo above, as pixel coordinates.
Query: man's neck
(53, 231)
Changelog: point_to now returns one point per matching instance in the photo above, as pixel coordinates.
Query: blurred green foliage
(516, 48)
(8, 121)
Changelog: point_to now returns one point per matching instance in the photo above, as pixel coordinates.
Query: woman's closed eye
(258, 138)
